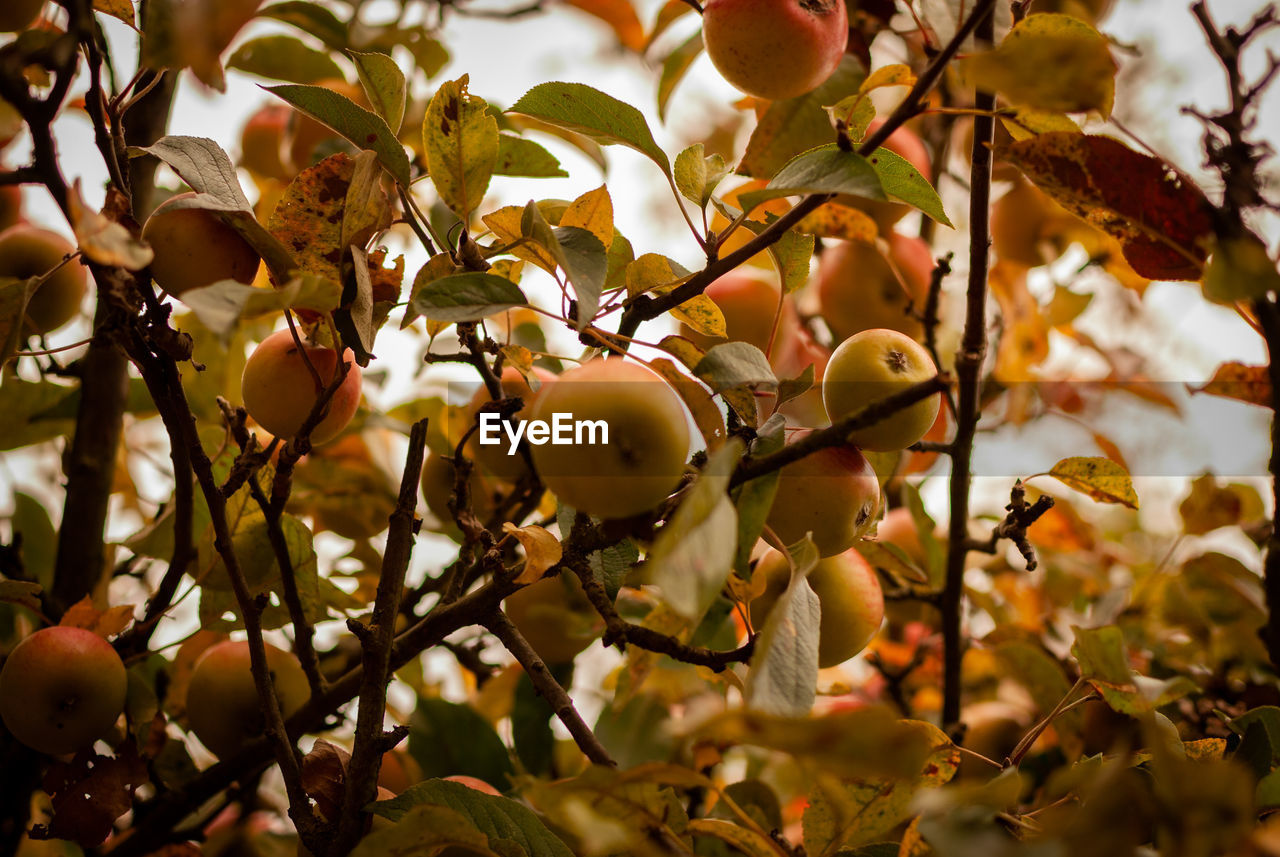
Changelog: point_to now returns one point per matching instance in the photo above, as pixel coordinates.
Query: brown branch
(973, 349)
(548, 688)
(1021, 515)
(375, 640)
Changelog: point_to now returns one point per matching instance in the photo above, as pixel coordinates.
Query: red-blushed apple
(262, 142)
(797, 353)
(860, 288)
(29, 251)
(498, 458)
(555, 617)
(222, 700)
(870, 366)
(833, 494)
(631, 467)
(848, 592)
(474, 783)
(195, 248)
(899, 528)
(749, 304)
(280, 391)
(61, 689)
(775, 48)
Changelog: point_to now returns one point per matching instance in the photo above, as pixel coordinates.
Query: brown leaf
(308, 219)
(90, 793)
(1233, 380)
(102, 239)
(1024, 342)
(1101, 478)
(1163, 223)
(324, 776)
(106, 623)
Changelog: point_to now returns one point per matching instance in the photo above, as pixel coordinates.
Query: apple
(195, 248)
(555, 617)
(833, 494)
(262, 142)
(61, 689)
(10, 206)
(398, 771)
(498, 459)
(474, 783)
(29, 251)
(279, 390)
(643, 459)
(859, 288)
(797, 353)
(749, 304)
(222, 700)
(907, 144)
(898, 528)
(17, 15)
(437, 487)
(775, 48)
(848, 592)
(868, 367)
(309, 140)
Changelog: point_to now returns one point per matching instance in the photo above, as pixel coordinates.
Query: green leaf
(674, 67)
(784, 666)
(221, 305)
(577, 251)
(826, 169)
(603, 118)
(693, 554)
(14, 295)
(466, 297)
(1104, 663)
(697, 175)
(434, 728)
(460, 137)
(520, 157)
(39, 538)
(735, 364)
(286, 58)
(899, 178)
(25, 405)
(754, 499)
(310, 18)
(426, 829)
(384, 83)
(636, 731)
(364, 128)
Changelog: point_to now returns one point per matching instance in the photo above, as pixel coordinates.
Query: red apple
(775, 48)
(280, 391)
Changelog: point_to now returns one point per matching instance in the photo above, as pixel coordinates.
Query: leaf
(280, 57)
(90, 792)
(542, 550)
(621, 17)
(426, 829)
(384, 84)
(735, 364)
(896, 74)
(1240, 269)
(784, 666)
(902, 180)
(697, 175)
(497, 817)
(693, 554)
(103, 239)
(471, 296)
(1163, 224)
(1104, 663)
(1049, 62)
(460, 138)
(21, 592)
(104, 623)
(1101, 478)
(578, 252)
(826, 169)
(674, 67)
(593, 211)
(193, 34)
(520, 157)
(1235, 380)
(589, 111)
(120, 9)
(706, 415)
(310, 18)
(221, 305)
(14, 295)
(434, 728)
(742, 839)
(364, 128)
(1210, 506)
(831, 220)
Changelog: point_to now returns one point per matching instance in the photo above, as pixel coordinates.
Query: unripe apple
(262, 142)
(437, 487)
(555, 617)
(195, 248)
(61, 688)
(279, 390)
(907, 144)
(17, 15)
(859, 288)
(870, 366)
(775, 48)
(498, 458)
(848, 591)
(748, 303)
(648, 439)
(833, 494)
(222, 700)
(29, 251)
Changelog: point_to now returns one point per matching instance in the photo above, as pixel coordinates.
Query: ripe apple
(833, 493)
(907, 144)
(29, 251)
(17, 15)
(798, 352)
(474, 783)
(748, 303)
(775, 48)
(848, 591)
(398, 771)
(10, 206)
(648, 439)
(437, 487)
(870, 366)
(555, 617)
(195, 248)
(262, 141)
(279, 390)
(497, 458)
(898, 528)
(222, 699)
(859, 287)
(60, 689)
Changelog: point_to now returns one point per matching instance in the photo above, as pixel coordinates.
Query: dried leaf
(1101, 478)
(542, 550)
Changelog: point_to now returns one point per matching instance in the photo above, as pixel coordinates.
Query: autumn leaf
(105, 623)
(1235, 380)
(1100, 478)
(102, 238)
(542, 550)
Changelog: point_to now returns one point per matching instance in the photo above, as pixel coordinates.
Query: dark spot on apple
(897, 361)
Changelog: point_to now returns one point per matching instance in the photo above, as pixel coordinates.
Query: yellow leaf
(1234, 380)
(1101, 478)
(839, 221)
(1240, 269)
(505, 223)
(703, 315)
(102, 239)
(1049, 62)
(1027, 122)
(106, 623)
(122, 9)
(460, 138)
(593, 211)
(889, 75)
(542, 550)
(705, 413)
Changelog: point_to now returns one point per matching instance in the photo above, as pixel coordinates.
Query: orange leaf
(620, 16)
(542, 550)
(106, 623)
(1233, 380)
